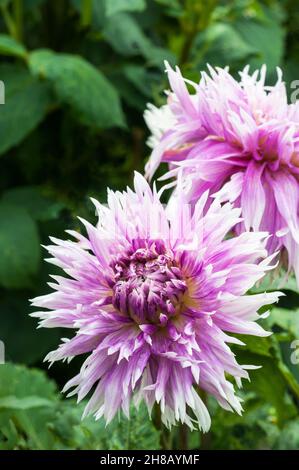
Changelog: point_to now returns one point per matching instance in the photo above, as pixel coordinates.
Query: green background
(77, 76)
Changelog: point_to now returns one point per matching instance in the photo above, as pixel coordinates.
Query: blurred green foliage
(77, 76)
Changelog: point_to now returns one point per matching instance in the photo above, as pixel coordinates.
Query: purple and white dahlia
(237, 137)
(152, 295)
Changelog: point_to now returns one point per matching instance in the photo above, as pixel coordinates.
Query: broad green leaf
(139, 77)
(285, 319)
(269, 348)
(35, 201)
(26, 103)
(19, 247)
(124, 34)
(20, 382)
(289, 377)
(268, 383)
(223, 45)
(115, 6)
(9, 46)
(26, 403)
(128, 93)
(266, 35)
(172, 7)
(15, 77)
(256, 344)
(81, 86)
(135, 84)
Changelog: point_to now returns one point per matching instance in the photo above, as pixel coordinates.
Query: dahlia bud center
(148, 285)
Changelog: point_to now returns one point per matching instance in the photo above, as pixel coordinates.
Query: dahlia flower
(152, 294)
(237, 137)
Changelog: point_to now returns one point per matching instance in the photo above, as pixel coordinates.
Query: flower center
(148, 284)
(268, 148)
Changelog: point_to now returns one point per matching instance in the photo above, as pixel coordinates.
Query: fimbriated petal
(152, 294)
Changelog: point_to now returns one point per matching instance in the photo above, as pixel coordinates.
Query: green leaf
(35, 417)
(20, 382)
(9, 46)
(270, 347)
(115, 6)
(125, 35)
(32, 198)
(26, 403)
(224, 46)
(288, 437)
(266, 35)
(256, 428)
(285, 319)
(269, 383)
(26, 428)
(172, 7)
(139, 77)
(285, 371)
(26, 103)
(19, 247)
(136, 433)
(4, 3)
(256, 344)
(81, 86)
(128, 92)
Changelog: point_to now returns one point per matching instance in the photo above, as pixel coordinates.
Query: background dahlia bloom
(152, 306)
(238, 137)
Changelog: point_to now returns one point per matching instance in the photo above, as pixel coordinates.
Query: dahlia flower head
(152, 294)
(239, 140)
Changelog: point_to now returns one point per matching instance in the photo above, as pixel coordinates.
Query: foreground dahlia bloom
(238, 137)
(151, 295)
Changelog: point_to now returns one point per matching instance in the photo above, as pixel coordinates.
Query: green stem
(187, 46)
(18, 19)
(196, 19)
(9, 22)
(86, 13)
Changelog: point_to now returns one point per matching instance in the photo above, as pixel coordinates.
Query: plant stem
(196, 19)
(18, 19)
(185, 52)
(9, 22)
(86, 13)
